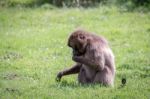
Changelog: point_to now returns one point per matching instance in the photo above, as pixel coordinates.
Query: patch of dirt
(12, 90)
(10, 76)
(11, 56)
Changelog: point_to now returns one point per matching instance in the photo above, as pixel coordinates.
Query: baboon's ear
(68, 44)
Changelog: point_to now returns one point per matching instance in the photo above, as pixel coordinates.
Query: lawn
(33, 49)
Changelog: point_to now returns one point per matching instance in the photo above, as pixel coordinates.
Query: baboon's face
(78, 42)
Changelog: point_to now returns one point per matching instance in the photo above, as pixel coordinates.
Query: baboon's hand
(59, 75)
(78, 59)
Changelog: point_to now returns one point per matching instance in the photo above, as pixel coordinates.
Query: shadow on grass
(52, 3)
(73, 85)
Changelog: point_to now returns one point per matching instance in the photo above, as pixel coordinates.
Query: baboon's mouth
(82, 52)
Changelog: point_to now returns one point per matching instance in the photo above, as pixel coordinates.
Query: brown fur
(94, 59)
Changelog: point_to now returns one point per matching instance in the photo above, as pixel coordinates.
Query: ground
(33, 49)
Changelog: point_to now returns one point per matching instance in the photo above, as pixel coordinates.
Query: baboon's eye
(82, 37)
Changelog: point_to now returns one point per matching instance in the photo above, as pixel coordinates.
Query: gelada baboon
(94, 59)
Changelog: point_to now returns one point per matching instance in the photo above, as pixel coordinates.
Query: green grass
(33, 49)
